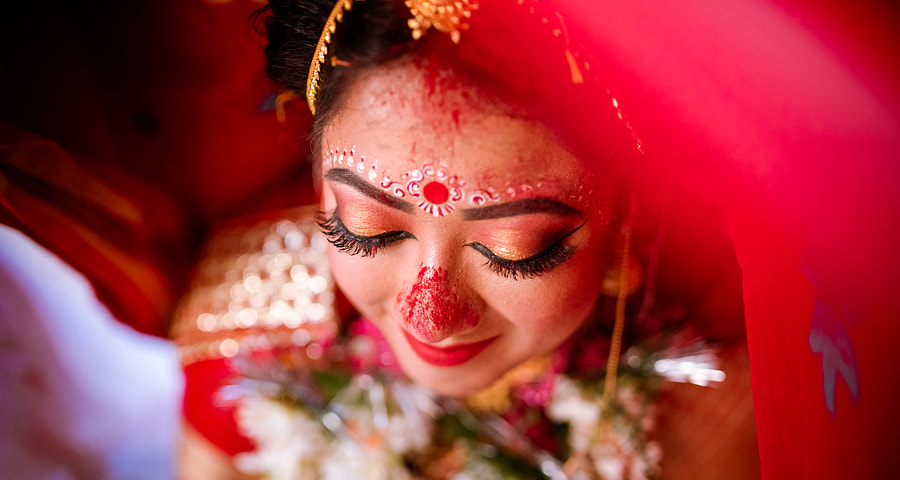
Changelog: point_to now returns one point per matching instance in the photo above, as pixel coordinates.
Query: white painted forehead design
(437, 191)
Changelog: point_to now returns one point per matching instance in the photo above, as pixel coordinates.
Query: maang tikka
(448, 16)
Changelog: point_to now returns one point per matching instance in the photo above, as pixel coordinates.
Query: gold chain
(615, 347)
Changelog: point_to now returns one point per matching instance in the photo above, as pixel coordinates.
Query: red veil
(787, 113)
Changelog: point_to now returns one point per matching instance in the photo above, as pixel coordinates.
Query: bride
(478, 184)
(540, 224)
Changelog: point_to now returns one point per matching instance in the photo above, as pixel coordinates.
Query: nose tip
(431, 310)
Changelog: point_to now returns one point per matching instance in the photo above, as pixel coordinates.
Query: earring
(612, 281)
(283, 98)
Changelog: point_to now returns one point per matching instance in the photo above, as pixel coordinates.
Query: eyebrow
(342, 175)
(525, 206)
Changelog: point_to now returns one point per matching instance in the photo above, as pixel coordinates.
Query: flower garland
(350, 413)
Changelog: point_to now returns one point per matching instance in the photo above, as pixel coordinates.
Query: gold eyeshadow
(361, 227)
(365, 221)
(517, 244)
(363, 217)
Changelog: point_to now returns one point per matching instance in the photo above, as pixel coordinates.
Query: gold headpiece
(321, 52)
(448, 16)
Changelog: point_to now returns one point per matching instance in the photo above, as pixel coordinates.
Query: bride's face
(471, 236)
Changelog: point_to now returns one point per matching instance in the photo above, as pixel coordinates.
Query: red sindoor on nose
(431, 309)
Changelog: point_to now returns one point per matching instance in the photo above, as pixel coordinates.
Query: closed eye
(348, 242)
(530, 267)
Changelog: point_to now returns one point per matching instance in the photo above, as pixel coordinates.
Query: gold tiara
(321, 52)
(447, 16)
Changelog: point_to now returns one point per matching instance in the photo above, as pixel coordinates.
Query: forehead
(408, 114)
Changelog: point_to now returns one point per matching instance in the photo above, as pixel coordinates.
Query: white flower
(610, 467)
(350, 461)
(568, 404)
(289, 443)
(648, 421)
(609, 457)
(410, 429)
(654, 453)
(477, 468)
(402, 437)
(638, 469)
(631, 400)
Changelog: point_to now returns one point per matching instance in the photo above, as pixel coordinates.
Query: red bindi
(435, 193)
(431, 310)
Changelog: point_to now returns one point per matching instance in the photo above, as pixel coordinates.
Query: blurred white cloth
(82, 396)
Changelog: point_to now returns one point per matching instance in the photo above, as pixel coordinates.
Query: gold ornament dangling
(612, 281)
(448, 16)
(615, 344)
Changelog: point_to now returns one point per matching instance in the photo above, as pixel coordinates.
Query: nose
(431, 310)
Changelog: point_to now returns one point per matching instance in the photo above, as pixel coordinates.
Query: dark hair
(521, 55)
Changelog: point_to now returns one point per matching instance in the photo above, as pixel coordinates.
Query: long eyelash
(530, 267)
(527, 267)
(346, 241)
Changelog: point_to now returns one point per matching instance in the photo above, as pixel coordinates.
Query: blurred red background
(784, 113)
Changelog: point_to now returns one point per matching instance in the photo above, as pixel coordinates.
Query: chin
(453, 384)
(459, 381)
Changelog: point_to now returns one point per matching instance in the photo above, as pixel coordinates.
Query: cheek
(553, 308)
(556, 305)
(365, 281)
(362, 281)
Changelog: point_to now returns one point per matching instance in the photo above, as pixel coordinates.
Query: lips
(448, 356)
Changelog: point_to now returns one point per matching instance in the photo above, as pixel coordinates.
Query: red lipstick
(448, 356)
